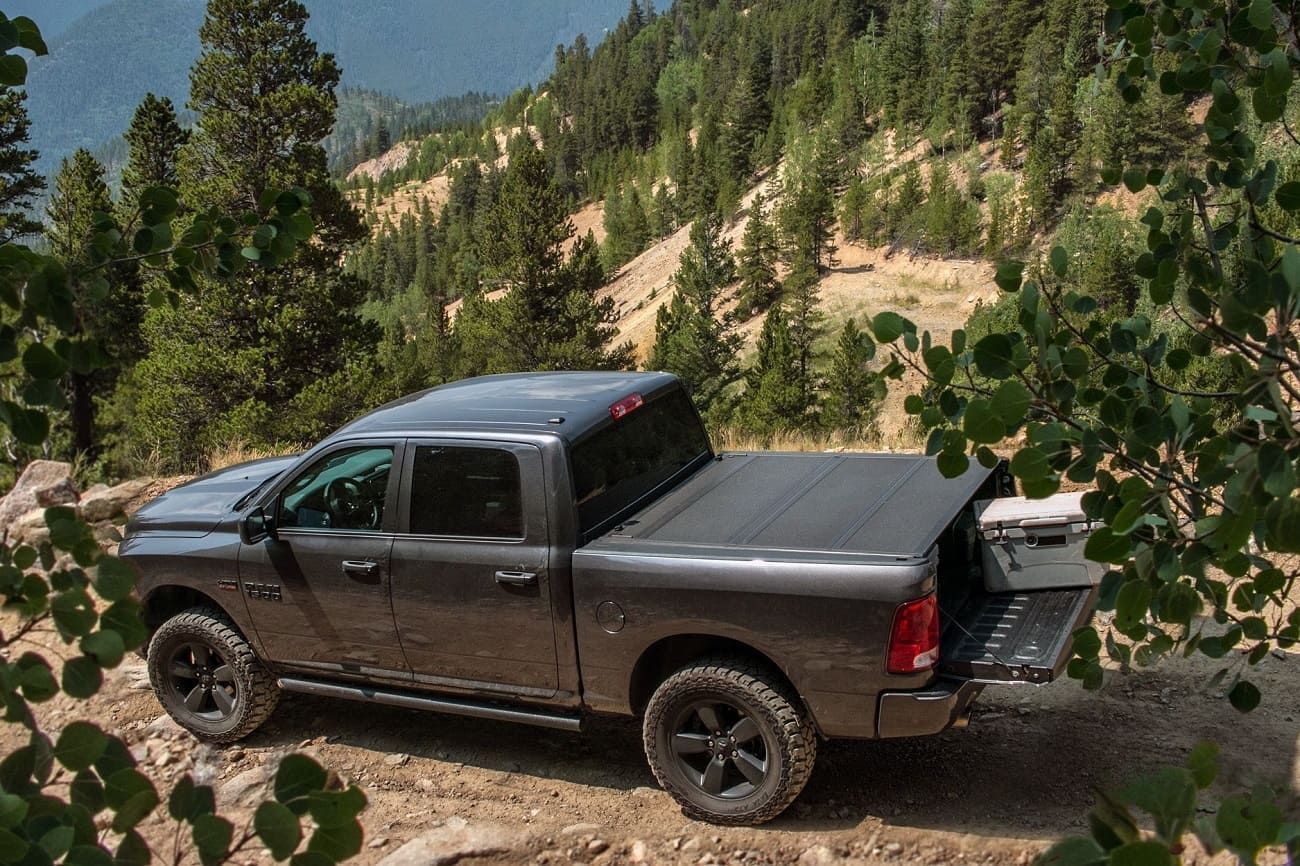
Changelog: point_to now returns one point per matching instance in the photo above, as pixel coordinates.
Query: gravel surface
(487, 792)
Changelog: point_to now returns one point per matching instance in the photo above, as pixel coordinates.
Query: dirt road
(1019, 777)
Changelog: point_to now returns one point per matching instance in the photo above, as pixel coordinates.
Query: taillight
(914, 639)
(627, 404)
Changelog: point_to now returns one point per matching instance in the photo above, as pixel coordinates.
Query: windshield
(615, 469)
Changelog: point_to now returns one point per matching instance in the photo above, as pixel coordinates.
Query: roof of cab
(513, 402)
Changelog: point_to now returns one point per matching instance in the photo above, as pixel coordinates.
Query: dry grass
(240, 452)
(732, 439)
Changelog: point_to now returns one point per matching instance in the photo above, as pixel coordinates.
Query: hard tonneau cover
(887, 504)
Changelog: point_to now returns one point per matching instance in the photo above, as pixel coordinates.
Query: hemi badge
(228, 585)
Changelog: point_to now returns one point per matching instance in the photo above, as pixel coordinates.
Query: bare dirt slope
(1020, 776)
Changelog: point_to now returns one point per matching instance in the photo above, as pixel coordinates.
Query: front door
(471, 592)
(318, 594)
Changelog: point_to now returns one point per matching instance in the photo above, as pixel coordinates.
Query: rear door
(470, 568)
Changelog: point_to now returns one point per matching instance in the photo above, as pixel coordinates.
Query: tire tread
(261, 692)
(798, 738)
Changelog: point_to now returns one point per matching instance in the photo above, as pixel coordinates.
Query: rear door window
(466, 492)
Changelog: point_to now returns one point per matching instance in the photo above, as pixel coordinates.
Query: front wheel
(729, 742)
(207, 677)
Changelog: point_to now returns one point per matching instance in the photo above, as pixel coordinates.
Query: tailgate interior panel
(1013, 637)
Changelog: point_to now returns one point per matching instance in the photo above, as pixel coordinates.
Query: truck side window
(468, 492)
(343, 490)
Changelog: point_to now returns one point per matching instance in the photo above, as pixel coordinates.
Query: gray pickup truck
(542, 547)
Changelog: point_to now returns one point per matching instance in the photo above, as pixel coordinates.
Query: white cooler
(1035, 543)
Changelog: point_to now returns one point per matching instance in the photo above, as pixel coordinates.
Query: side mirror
(257, 526)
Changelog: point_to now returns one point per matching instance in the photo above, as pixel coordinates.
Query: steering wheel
(348, 505)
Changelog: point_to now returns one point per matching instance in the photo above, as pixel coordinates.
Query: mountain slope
(103, 63)
(52, 16)
(78, 97)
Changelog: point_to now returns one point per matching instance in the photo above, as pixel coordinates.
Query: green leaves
(1009, 275)
(79, 745)
(995, 357)
(114, 579)
(1244, 696)
(13, 70)
(981, 424)
(1011, 402)
(212, 836)
(888, 327)
(296, 777)
(278, 829)
(1132, 603)
(40, 362)
(1288, 196)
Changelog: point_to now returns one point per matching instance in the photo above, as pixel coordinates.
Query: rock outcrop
(47, 483)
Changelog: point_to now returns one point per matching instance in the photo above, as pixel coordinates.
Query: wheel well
(167, 601)
(672, 653)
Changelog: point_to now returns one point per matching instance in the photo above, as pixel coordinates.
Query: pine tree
(807, 213)
(636, 225)
(550, 317)
(663, 213)
(692, 339)
(759, 286)
(155, 139)
(111, 311)
(747, 113)
(806, 323)
(19, 184)
(903, 62)
(853, 389)
(383, 139)
(291, 339)
(773, 399)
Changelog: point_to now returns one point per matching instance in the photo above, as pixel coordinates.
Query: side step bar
(437, 705)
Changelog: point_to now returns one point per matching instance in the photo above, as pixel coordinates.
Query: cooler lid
(1015, 510)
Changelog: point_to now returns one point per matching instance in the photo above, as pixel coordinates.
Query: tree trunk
(83, 415)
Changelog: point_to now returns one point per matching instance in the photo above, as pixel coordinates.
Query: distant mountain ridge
(102, 63)
(52, 16)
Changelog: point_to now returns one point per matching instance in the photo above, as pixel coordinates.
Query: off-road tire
(256, 690)
(787, 733)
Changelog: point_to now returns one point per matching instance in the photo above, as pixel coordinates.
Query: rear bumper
(929, 711)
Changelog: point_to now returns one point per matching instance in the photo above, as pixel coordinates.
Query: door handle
(517, 578)
(361, 569)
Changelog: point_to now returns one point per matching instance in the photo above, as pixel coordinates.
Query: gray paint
(801, 557)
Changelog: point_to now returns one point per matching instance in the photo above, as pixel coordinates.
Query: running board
(437, 705)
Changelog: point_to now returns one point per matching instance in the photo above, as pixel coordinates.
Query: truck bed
(887, 504)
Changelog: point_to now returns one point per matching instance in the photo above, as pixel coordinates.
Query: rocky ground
(443, 789)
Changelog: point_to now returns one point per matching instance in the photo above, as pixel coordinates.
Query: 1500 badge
(263, 591)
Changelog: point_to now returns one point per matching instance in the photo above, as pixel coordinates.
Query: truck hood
(198, 507)
(889, 504)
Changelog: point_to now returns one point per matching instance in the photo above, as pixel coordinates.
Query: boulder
(455, 840)
(43, 484)
(30, 528)
(102, 503)
(246, 788)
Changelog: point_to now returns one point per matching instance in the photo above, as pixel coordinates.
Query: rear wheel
(207, 677)
(725, 738)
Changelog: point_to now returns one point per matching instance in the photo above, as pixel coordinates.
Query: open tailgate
(1013, 637)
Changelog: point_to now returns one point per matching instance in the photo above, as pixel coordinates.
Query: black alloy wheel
(718, 746)
(208, 678)
(730, 740)
(203, 682)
